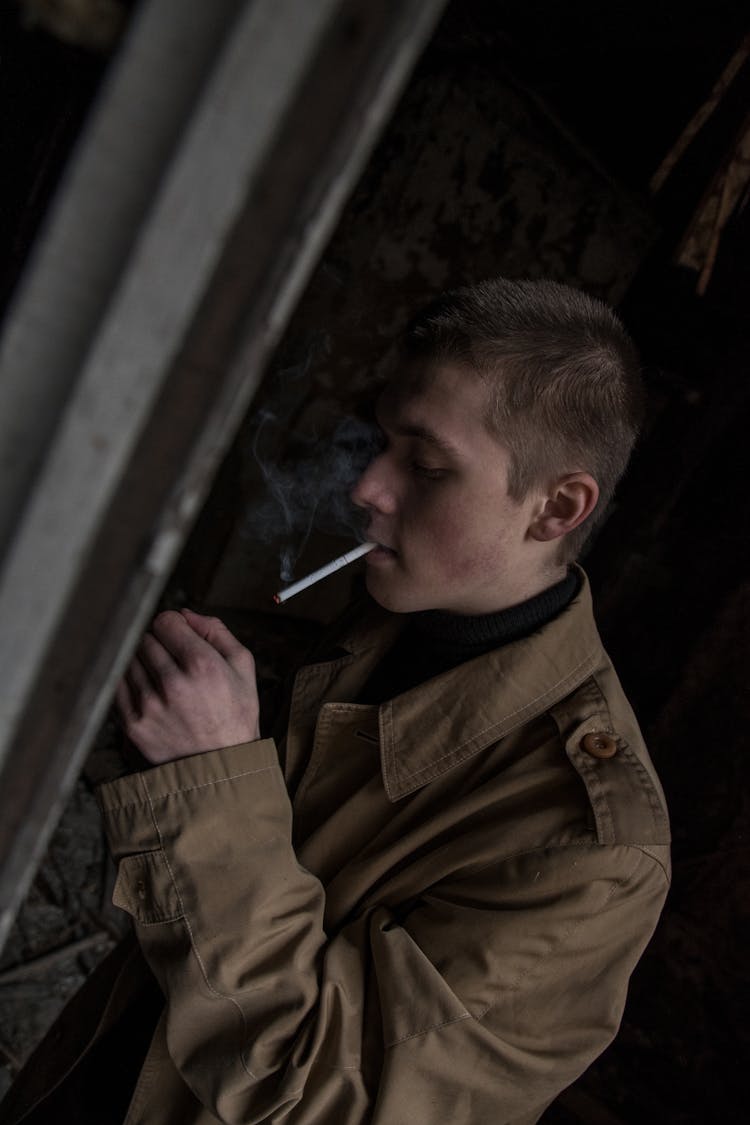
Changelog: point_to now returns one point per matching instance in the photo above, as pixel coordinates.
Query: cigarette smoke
(308, 487)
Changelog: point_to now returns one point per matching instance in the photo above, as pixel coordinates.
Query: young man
(423, 904)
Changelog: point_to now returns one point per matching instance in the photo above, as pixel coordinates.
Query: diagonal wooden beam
(243, 195)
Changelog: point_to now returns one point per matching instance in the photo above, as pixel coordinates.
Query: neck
(526, 587)
(434, 641)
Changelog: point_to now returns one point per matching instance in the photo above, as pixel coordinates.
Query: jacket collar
(435, 726)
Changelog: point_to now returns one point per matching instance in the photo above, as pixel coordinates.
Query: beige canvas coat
(438, 926)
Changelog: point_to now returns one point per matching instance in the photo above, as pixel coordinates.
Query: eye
(379, 442)
(426, 472)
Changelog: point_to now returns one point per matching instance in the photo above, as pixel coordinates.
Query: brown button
(599, 744)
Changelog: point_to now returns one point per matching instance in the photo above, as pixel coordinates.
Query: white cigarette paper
(324, 571)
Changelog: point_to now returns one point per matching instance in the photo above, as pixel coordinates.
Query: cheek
(469, 560)
(457, 547)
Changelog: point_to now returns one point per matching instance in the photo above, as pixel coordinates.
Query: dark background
(524, 144)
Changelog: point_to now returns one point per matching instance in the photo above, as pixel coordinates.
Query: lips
(381, 553)
(381, 544)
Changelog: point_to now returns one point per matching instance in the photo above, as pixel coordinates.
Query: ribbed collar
(434, 641)
(453, 630)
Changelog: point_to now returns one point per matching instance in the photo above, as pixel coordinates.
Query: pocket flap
(144, 888)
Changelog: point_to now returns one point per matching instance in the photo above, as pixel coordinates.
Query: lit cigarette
(324, 571)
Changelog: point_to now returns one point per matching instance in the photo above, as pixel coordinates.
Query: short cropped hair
(563, 376)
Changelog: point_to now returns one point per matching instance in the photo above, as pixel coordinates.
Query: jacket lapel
(427, 731)
(338, 680)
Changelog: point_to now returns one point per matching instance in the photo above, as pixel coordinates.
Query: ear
(569, 501)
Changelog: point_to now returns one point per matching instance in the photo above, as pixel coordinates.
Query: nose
(374, 489)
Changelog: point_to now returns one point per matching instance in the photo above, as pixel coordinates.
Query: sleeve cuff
(126, 802)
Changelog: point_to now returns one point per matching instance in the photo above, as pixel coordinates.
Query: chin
(388, 595)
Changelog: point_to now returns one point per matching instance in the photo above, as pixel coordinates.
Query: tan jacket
(439, 926)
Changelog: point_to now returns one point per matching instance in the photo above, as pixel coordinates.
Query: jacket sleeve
(475, 1003)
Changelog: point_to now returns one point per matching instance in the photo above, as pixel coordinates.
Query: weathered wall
(473, 179)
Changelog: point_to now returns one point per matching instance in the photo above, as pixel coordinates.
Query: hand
(189, 688)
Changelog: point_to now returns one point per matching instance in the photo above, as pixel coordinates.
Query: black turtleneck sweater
(434, 641)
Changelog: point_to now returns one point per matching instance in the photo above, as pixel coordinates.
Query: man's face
(438, 503)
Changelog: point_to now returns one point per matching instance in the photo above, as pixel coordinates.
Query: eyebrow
(414, 429)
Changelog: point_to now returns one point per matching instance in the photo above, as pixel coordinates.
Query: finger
(139, 683)
(180, 642)
(155, 661)
(215, 632)
(131, 691)
(124, 702)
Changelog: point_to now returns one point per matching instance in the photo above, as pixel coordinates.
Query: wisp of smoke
(310, 491)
